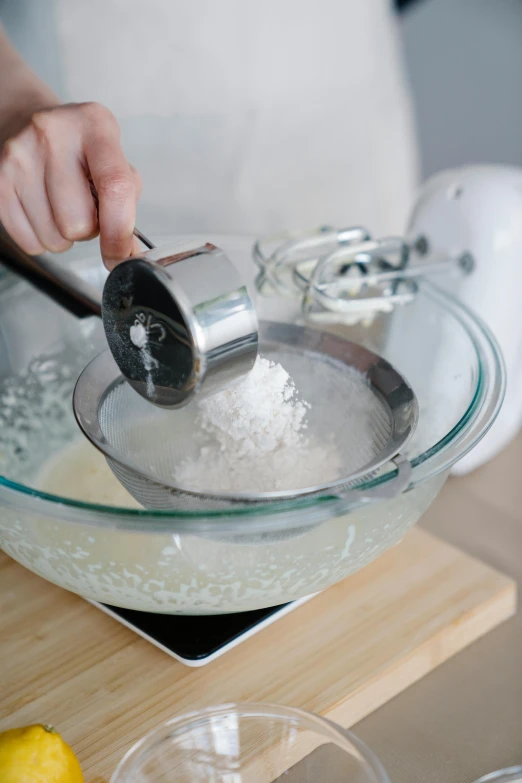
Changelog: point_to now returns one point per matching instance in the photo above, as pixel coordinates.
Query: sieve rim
(102, 375)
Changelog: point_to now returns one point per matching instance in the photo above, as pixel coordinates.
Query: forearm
(21, 91)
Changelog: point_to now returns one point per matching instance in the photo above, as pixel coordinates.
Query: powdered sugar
(140, 338)
(256, 438)
(257, 416)
(138, 335)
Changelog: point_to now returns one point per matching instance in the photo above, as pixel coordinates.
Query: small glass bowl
(249, 743)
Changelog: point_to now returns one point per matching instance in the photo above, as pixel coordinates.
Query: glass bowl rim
(439, 458)
(255, 710)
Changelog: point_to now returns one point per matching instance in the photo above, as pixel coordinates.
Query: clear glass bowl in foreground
(211, 563)
(251, 743)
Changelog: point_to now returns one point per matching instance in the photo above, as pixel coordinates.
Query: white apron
(250, 116)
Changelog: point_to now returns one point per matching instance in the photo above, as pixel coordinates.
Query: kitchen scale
(199, 639)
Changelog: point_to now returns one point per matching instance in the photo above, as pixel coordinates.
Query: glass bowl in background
(250, 743)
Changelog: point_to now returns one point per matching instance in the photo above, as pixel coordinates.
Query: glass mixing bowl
(249, 743)
(211, 563)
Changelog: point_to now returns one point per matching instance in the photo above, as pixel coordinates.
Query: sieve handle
(137, 233)
(388, 490)
(52, 278)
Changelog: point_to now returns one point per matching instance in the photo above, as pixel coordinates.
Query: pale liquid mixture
(80, 472)
(172, 573)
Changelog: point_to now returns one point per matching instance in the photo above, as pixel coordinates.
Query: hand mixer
(180, 323)
(464, 231)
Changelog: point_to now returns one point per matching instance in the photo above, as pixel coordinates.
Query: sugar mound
(257, 416)
(255, 438)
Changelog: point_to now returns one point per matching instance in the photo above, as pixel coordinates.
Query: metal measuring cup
(178, 319)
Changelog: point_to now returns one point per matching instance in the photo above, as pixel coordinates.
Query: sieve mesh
(362, 413)
(349, 424)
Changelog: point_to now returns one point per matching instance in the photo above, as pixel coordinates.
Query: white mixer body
(478, 209)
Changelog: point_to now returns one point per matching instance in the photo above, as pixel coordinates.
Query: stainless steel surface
(346, 272)
(104, 407)
(141, 236)
(137, 233)
(199, 320)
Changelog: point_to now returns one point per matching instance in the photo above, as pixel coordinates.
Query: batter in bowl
(80, 472)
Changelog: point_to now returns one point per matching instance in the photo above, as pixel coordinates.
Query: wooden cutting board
(343, 654)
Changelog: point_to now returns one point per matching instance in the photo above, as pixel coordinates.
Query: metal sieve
(361, 409)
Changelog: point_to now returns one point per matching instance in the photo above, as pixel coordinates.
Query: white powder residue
(139, 337)
(148, 363)
(257, 416)
(256, 439)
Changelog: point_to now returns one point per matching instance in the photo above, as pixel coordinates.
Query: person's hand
(46, 169)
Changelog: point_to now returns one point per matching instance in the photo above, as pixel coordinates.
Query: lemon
(37, 754)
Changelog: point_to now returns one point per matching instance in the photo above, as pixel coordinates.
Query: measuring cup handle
(388, 489)
(52, 278)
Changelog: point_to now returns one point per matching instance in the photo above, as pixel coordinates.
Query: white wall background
(30, 25)
(464, 58)
(465, 63)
